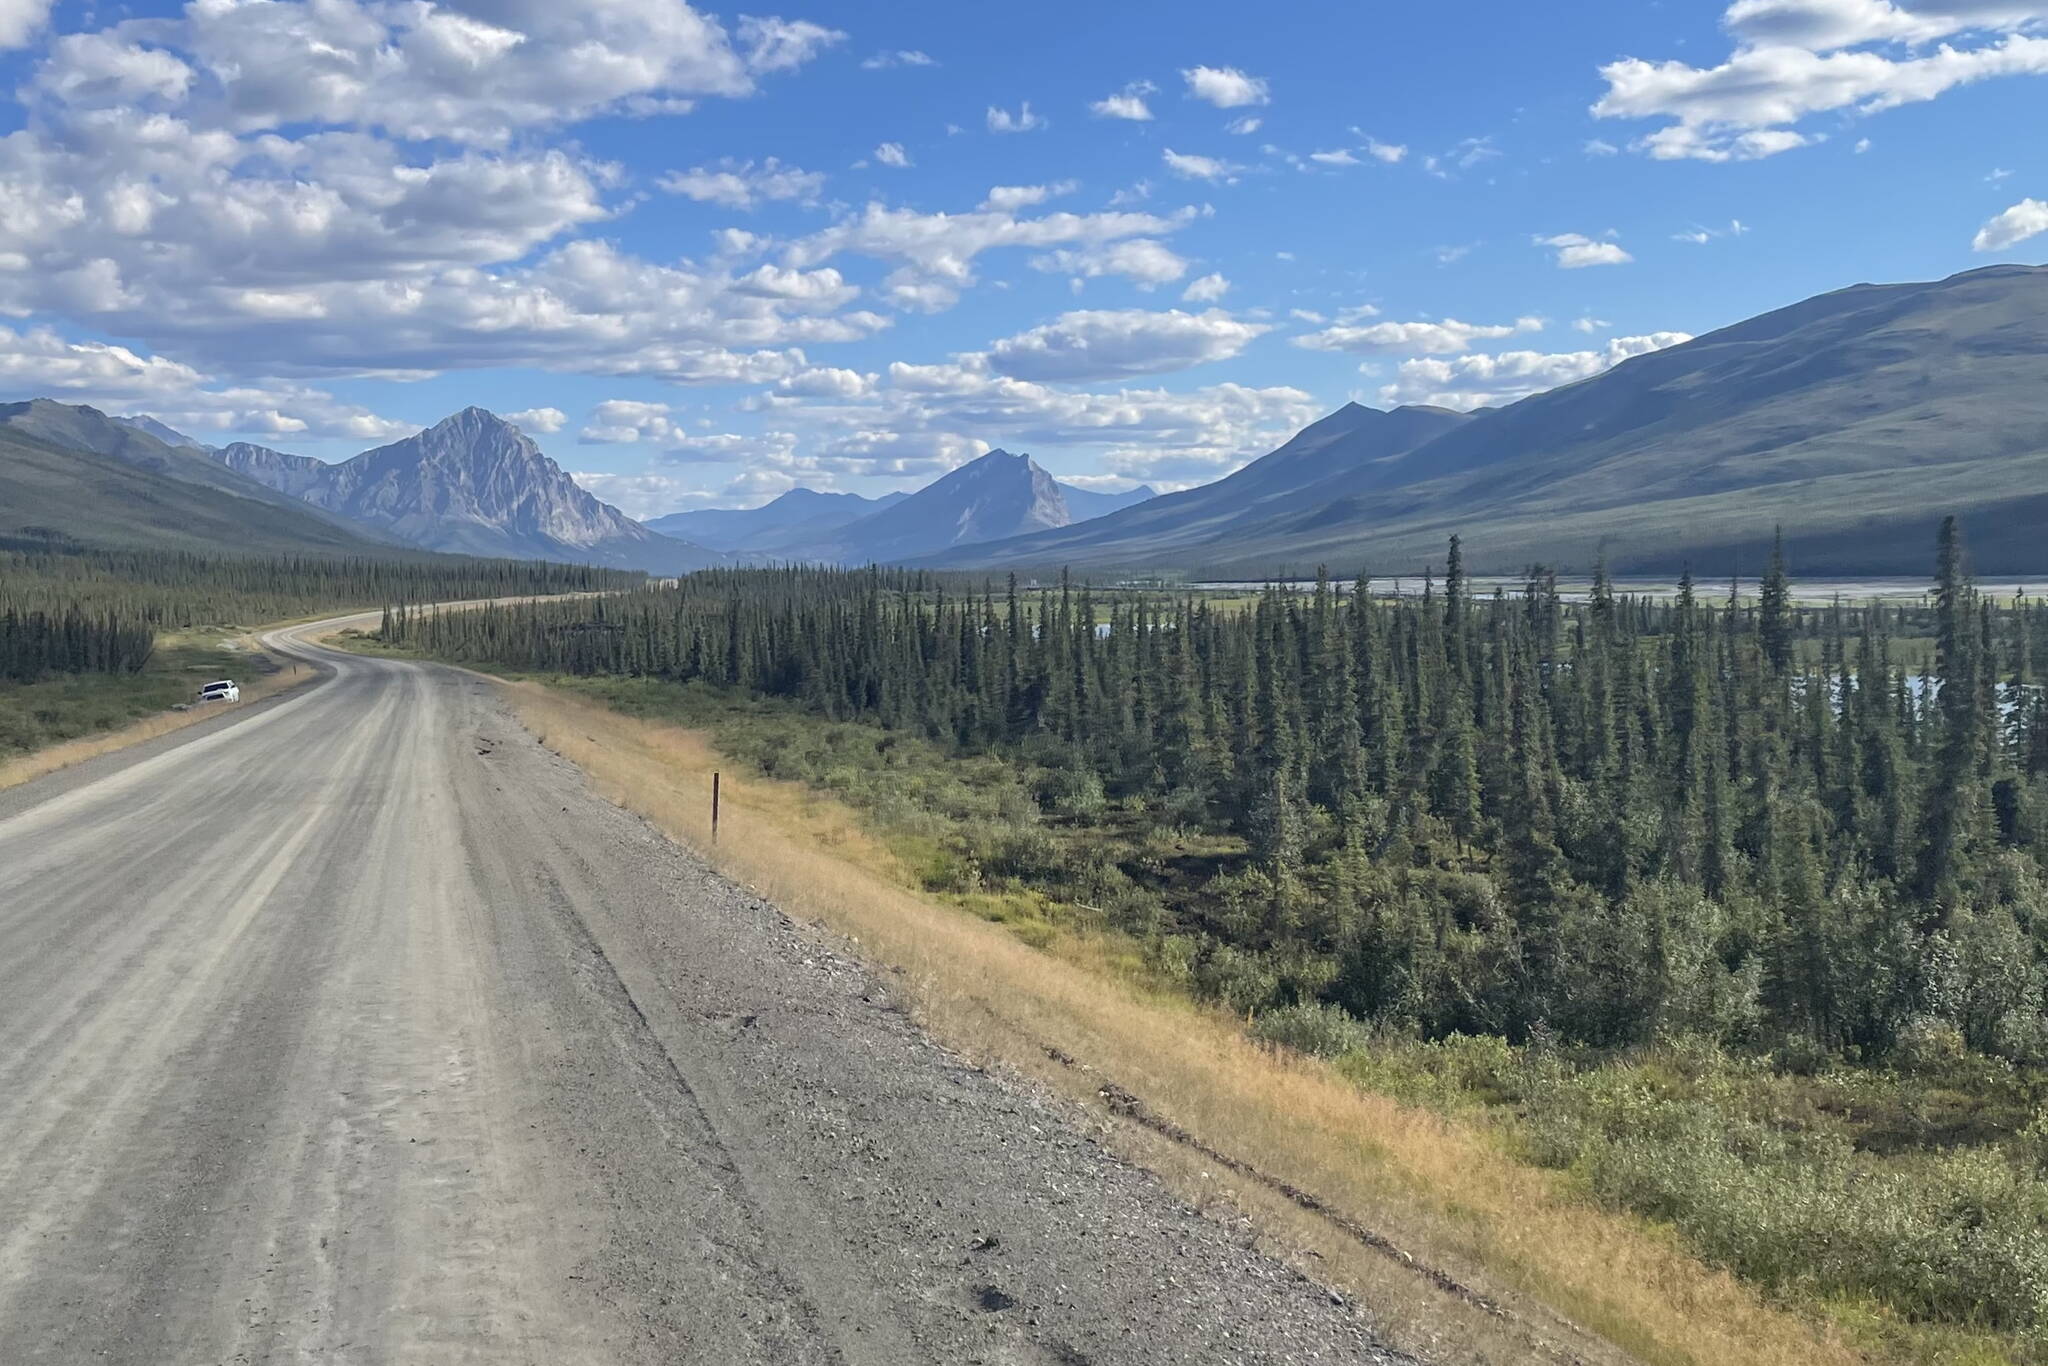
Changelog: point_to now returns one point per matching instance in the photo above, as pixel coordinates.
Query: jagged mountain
(794, 517)
(473, 484)
(1856, 419)
(999, 495)
(1180, 527)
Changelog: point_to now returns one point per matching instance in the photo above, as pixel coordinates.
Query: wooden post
(714, 806)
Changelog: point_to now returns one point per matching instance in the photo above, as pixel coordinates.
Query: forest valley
(1734, 906)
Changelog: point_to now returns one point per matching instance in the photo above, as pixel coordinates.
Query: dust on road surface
(360, 1031)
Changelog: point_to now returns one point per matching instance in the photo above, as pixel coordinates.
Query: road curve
(360, 1031)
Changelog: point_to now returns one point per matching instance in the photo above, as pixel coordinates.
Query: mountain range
(1856, 419)
(996, 496)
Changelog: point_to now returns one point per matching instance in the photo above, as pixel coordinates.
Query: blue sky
(711, 256)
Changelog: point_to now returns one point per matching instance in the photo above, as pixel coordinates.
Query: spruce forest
(1780, 827)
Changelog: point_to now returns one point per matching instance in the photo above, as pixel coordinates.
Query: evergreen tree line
(1776, 825)
(68, 609)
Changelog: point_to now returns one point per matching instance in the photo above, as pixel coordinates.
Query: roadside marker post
(714, 806)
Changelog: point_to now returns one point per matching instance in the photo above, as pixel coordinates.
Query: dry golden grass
(69, 753)
(1579, 1285)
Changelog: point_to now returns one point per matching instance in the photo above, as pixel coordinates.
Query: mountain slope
(999, 495)
(472, 484)
(1183, 527)
(1857, 419)
(106, 501)
(80, 428)
(170, 436)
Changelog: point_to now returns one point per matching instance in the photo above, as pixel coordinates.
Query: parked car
(225, 690)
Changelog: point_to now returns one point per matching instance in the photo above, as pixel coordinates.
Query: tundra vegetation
(1731, 908)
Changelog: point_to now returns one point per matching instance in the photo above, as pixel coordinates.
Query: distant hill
(1085, 505)
(999, 495)
(472, 484)
(47, 487)
(798, 513)
(1856, 419)
(170, 436)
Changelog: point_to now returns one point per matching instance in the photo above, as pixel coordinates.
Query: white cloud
(1010, 198)
(1128, 103)
(1576, 251)
(936, 251)
(421, 71)
(1600, 147)
(1797, 58)
(1444, 338)
(546, 421)
(620, 421)
(1226, 87)
(40, 361)
(1342, 156)
(1244, 125)
(892, 154)
(882, 61)
(783, 44)
(1591, 324)
(743, 184)
(1475, 381)
(2028, 218)
(1206, 290)
(1193, 167)
(1143, 260)
(1023, 121)
(1104, 344)
(19, 19)
(1389, 152)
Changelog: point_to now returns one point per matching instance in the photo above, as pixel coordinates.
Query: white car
(223, 691)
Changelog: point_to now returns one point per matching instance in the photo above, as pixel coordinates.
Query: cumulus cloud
(423, 71)
(1023, 121)
(1797, 58)
(19, 20)
(743, 184)
(1225, 87)
(935, 253)
(41, 361)
(1142, 260)
(1010, 198)
(1576, 251)
(2028, 218)
(1444, 338)
(1206, 290)
(1478, 380)
(892, 154)
(1128, 103)
(1118, 344)
(546, 421)
(621, 421)
(1192, 167)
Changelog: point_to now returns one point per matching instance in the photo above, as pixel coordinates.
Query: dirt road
(358, 1031)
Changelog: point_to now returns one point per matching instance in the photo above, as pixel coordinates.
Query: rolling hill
(1857, 419)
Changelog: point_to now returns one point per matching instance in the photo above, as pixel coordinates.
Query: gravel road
(357, 1030)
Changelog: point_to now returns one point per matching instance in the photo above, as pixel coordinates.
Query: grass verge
(52, 725)
(1019, 981)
